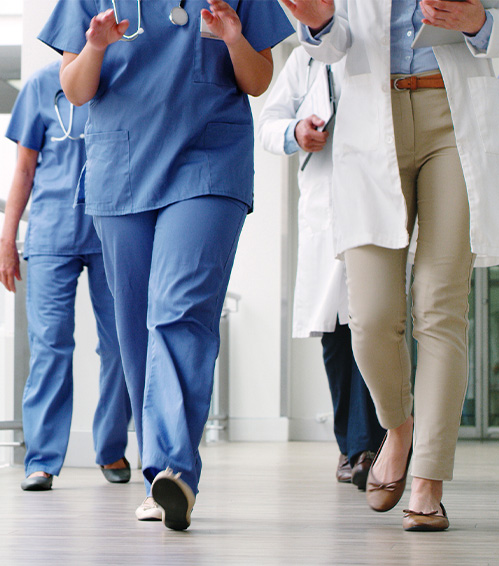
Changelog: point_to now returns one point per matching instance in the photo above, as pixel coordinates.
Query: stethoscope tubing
(67, 133)
(178, 17)
(140, 29)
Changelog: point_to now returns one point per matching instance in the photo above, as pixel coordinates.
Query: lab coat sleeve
(281, 105)
(333, 45)
(493, 48)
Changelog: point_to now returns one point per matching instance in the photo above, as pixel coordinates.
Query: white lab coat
(301, 89)
(368, 204)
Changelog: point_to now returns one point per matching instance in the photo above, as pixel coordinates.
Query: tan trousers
(434, 189)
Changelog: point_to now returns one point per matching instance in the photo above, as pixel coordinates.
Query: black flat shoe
(118, 475)
(37, 483)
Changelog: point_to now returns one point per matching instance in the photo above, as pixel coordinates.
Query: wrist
(477, 31)
(316, 30)
(234, 42)
(7, 241)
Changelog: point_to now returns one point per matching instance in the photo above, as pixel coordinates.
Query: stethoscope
(178, 17)
(308, 82)
(67, 133)
(308, 85)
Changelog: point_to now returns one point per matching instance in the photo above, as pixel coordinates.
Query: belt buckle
(395, 84)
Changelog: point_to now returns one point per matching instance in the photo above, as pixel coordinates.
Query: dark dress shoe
(118, 475)
(37, 483)
(344, 471)
(360, 469)
(384, 496)
(416, 521)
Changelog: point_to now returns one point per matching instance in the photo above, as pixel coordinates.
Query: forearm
(80, 74)
(17, 200)
(253, 69)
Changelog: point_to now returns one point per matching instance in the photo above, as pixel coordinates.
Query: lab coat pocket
(107, 175)
(315, 207)
(485, 97)
(357, 126)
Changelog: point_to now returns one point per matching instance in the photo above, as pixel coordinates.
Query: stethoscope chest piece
(179, 16)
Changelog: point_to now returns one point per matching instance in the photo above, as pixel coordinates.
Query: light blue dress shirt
(405, 23)
(290, 143)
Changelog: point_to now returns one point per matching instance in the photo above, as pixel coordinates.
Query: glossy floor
(260, 504)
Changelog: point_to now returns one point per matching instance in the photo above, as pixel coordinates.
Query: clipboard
(431, 36)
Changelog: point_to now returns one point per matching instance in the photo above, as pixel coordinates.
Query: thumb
(316, 121)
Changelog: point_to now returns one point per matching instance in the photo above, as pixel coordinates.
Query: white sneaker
(175, 497)
(149, 510)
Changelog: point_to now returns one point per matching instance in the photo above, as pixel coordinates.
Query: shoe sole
(426, 528)
(150, 516)
(175, 503)
(122, 475)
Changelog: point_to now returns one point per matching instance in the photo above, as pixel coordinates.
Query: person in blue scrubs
(169, 181)
(60, 242)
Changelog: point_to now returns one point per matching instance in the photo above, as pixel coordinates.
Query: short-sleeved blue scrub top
(168, 121)
(54, 226)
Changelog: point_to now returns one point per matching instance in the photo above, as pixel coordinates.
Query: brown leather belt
(415, 83)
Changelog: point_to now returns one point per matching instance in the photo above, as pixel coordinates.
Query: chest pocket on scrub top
(212, 62)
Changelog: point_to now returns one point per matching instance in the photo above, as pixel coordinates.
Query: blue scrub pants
(168, 270)
(48, 395)
(356, 426)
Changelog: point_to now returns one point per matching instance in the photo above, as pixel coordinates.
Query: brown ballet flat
(384, 496)
(416, 521)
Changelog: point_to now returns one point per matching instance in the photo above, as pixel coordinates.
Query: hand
(104, 30)
(468, 16)
(223, 21)
(9, 265)
(308, 137)
(315, 14)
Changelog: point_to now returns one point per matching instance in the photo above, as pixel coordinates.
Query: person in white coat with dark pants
(300, 103)
(417, 133)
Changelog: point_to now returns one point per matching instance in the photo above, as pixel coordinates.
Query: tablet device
(431, 36)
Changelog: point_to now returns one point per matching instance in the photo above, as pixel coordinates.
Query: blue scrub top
(168, 122)
(54, 227)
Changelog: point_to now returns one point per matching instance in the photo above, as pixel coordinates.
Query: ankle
(426, 495)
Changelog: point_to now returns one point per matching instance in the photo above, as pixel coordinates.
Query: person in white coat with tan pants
(299, 105)
(417, 133)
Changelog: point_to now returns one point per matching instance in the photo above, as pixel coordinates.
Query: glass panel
(469, 409)
(493, 279)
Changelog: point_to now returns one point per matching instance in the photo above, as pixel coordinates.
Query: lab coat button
(389, 139)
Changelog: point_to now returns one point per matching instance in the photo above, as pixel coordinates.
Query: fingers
(104, 30)
(468, 16)
(316, 121)
(8, 280)
(223, 21)
(307, 135)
